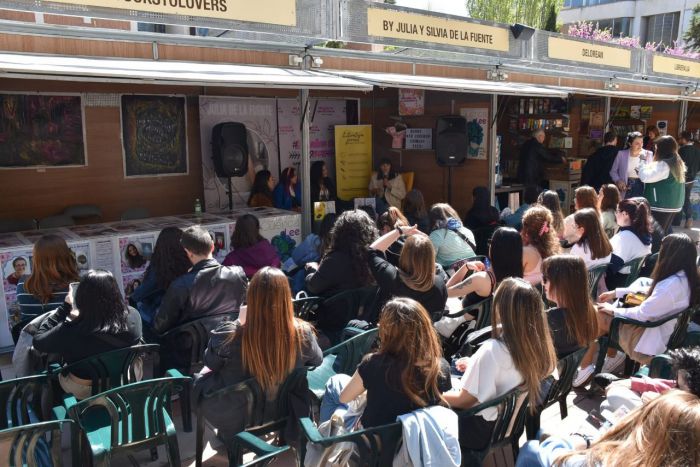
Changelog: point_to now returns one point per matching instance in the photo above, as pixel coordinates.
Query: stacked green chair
(128, 418)
(20, 401)
(376, 446)
(343, 358)
(557, 390)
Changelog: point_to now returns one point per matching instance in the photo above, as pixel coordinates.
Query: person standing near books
(532, 154)
(624, 171)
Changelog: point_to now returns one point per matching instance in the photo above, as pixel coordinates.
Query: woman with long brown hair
(520, 353)
(405, 374)
(572, 321)
(266, 342)
(608, 197)
(593, 245)
(665, 433)
(584, 197)
(550, 200)
(53, 268)
(413, 278)
(415, 211)
(539, 242)
(251, 251)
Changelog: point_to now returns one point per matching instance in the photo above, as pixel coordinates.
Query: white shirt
(627, 246)
(671, 295)
(490, 374)
(570, 234)
(632, 166)
(654, 172)
(584, 252)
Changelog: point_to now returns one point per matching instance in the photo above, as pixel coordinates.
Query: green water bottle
(197, 207)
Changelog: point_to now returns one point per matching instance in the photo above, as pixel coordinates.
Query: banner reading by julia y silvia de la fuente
(353, 160)
(281, 12)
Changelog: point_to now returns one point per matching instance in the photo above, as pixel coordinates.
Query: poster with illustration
(39, 130)
(131, 282)
(135, 252)
(411, 101)
(477, 131)
(219, 233)
(154, 135)
(15, 264)
(260, 119)
(81, 251)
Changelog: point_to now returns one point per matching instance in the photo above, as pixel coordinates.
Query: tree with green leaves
(536, 13)
(692, 35)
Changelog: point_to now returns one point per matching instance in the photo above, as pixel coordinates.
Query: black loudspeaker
(229, 149)
(451, 140)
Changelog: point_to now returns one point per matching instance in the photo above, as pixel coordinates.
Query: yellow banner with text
(353, 160)
(576, 51)
(281, 12)
(676, 66)
(424, 28)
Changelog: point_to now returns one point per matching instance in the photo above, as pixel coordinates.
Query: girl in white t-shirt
(593, 245)
(520, 353)
(632, 241)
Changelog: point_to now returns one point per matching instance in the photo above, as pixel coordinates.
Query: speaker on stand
(229, 145)
(451, 145)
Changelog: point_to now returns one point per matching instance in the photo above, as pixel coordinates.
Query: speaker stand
(449, 185)
(230, 195)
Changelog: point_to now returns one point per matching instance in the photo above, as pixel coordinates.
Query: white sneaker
(613, 363)
(583, 375)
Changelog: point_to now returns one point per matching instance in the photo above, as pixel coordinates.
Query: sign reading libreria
(676, 66)
(586, 52)
(423, 28)
(281, 12)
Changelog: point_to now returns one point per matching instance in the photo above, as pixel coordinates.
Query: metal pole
(305, 168)
(683, 120)
(493, 142)
(608, 117)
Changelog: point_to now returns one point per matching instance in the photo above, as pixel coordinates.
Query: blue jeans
(331, 399)
(529, 455)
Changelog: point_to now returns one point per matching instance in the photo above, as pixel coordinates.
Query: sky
(454, 7)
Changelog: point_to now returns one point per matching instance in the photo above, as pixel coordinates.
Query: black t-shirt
(564, 344)
(386, 400)
(391, 285)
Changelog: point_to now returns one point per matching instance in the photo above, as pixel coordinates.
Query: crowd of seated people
(536, 279)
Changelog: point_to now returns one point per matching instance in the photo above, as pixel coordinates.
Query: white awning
(434, 83)
(117, 70)
(622, 94)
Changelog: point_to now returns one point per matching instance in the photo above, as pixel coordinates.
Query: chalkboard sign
(154, 135)
(40, 130)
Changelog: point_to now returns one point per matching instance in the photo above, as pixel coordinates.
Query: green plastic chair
(20, 401)
(260, 415)
(594, 275)
(264, 452)
(451, 345)
(635, 266)
(612, 339)
(343, 358)
(128, 418)
(306, 307)
(376, 446)
(35, 444)
(557, 390)
(507, 430)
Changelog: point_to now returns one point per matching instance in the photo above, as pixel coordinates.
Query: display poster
(154, 135)
(353, 154)
(282, 12)
(260, 119)
(40, 130)
(321, 208)
(135, 252)
(477, 131)
(325, 114)
(15, 264)
(395, 24)
(662, 125)
(220, 234)
(411, 101)
(645, 112)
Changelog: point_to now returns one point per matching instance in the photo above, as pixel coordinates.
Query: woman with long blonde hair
(520, 353)
(413, 278)
(539, 242)
(663, 433)
(266, 343)
(405, 374)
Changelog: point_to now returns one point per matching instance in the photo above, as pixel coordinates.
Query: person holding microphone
(387, 186)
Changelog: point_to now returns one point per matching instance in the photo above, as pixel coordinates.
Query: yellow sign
(576, 51)
(424, 28)
(261, 11)
(676, 66)
(353, 160)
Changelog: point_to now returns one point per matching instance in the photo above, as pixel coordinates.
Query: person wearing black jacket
(596, 172)
(532, 154)
(690, 154)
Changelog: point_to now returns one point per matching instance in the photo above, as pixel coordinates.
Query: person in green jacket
(664, 181)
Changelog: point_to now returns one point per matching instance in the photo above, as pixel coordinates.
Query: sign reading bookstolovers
(423, 28)
(281, 12)
(585, 52)
(676, 66)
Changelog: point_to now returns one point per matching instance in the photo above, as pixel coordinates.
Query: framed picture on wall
(154, 135)
(41, 131)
